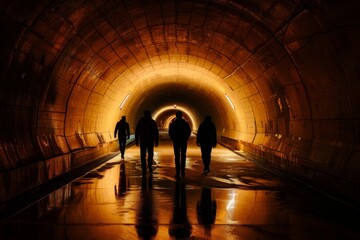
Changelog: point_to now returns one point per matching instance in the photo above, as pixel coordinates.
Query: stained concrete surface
(236, 200)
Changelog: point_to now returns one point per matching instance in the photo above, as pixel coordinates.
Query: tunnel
(280, 79)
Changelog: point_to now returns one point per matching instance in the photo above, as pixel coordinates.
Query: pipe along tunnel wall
(279, 78)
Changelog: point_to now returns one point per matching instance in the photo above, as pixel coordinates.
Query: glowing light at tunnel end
(172, 107)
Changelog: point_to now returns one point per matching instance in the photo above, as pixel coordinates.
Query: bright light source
(175, 106)
(232, 105)
(123, 102)
(231, 203)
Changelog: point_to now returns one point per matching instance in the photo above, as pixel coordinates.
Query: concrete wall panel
(50, 134)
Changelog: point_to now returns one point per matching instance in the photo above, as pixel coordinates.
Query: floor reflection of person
(206, 209)
(122, 181)
(180, 226)
(146, 218)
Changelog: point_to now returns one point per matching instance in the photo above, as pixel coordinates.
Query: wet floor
(236, 200)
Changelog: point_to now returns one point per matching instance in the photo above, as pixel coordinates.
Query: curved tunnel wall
(289, 67)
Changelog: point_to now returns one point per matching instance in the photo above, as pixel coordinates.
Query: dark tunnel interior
(280, 79)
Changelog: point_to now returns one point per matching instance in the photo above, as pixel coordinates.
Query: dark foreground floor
(236, 200)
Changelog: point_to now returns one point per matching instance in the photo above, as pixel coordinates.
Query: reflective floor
(236, 200)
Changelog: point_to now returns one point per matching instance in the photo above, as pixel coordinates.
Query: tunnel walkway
(236, 200)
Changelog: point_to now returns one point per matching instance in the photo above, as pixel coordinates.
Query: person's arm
(116, 129)
(128, 131)
(156, 134)
(214, 136)
(198, 136)
(137, 134)
(188, 129)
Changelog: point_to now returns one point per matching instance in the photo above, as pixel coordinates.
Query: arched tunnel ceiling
(282, 63)
(192, 89)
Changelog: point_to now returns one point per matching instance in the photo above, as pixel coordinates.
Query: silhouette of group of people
(147, 137)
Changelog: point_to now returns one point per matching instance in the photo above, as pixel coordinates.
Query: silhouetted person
(122, 129)
(180, 226)
(147, 134)
(146, 218)
(206, 209)
(206, 139)
(179, 132)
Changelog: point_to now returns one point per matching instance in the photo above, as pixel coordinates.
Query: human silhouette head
(147, 113)
(179, 114)
(123, 118)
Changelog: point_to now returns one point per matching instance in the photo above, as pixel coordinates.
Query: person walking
(206, 139)
(122, 129)
(147, 135)
(179, 132)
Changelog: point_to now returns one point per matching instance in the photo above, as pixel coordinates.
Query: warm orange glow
(174, 72)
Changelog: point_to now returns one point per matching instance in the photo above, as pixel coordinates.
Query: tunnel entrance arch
(166, 114)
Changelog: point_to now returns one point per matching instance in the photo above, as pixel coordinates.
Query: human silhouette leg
(206, 155)
(122, 145)
(150, 149)
(177, 158)
(208, 158)
(183, 158)
(143, 157)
